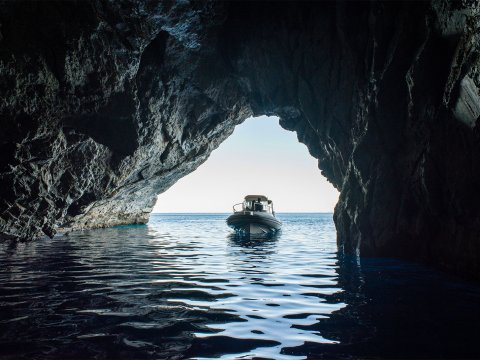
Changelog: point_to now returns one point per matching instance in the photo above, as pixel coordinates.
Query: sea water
(183, 286)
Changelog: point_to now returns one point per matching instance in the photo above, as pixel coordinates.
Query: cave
(105, 105)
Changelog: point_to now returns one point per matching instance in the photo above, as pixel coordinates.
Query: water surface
(184, 287)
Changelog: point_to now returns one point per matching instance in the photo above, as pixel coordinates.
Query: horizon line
(277, 212)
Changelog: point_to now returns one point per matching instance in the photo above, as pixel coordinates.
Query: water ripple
(179, 284)
(184, 287)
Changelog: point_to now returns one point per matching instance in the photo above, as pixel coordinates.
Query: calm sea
(184, 287)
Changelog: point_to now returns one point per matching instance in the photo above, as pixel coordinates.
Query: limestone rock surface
(105, 104)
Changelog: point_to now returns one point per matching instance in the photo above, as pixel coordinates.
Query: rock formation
(107, 104)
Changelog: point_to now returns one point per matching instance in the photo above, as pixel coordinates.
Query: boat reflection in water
(255, 218)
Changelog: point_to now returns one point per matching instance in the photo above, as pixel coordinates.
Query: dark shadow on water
(398, 309)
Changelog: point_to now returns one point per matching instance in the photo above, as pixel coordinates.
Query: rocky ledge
(107, 104)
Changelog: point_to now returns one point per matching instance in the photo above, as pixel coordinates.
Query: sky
(260, 158)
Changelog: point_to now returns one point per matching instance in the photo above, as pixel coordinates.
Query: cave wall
(107, 104)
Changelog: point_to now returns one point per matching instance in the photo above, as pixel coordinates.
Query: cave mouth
(105, 108)
(259, 157)
(106, 104)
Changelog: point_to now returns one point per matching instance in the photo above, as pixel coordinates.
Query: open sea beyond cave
(184, 287)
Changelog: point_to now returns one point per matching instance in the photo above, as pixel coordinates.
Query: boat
(254, 216)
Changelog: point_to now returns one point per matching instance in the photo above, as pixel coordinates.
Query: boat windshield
(254, 205)
(260, 204)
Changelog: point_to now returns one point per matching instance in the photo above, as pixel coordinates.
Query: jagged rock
(107, 104)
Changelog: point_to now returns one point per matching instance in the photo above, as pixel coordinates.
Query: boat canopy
(256, 198)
